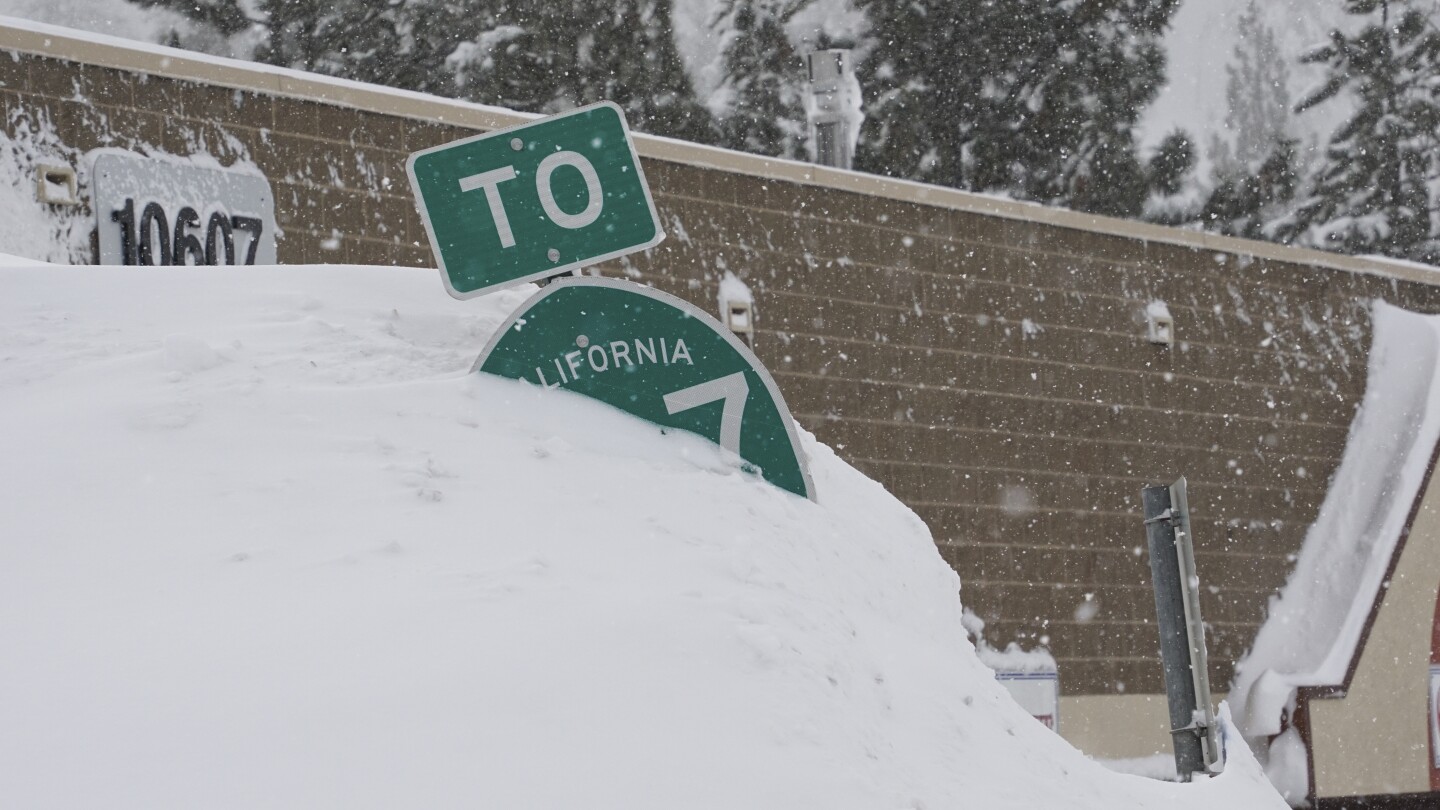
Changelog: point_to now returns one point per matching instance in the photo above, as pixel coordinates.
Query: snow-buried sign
(534, 200)
(657, 357)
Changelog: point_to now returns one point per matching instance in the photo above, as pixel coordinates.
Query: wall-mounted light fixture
(56, 185)
(737, 308)
(1159, 325)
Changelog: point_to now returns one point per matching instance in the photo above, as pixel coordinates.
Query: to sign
(157, 212)
(656, 357)
(534, 200)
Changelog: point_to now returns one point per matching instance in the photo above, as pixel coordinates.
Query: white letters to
(594, 201)
(490, 181)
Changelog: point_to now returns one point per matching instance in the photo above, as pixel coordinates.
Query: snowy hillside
(267, 544)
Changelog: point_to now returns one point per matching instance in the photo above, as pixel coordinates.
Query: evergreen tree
(1376, 190)
(1030, 97)
(530, 55)
(225, 17)
(1173, 160)
(764, 79)
(1254, 162)
(1170, 201)
(1241, 203)
(547, 57)
(1257, 96)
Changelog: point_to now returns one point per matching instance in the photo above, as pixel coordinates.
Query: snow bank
(1314, 626)
(28, 227)
(267, 544)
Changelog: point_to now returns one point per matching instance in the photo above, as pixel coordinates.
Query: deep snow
(266, 543)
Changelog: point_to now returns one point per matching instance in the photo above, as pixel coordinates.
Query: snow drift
(265, 543)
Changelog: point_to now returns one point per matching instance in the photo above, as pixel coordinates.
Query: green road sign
(657, 357)
(534, 200)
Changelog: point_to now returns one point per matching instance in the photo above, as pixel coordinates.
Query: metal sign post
(1182, 632)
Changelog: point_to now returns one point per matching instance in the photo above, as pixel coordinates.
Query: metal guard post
(1182, 639)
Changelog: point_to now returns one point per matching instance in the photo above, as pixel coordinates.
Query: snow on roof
(1316, 624)
(268, 543)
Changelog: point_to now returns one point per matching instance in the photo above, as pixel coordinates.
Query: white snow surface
(267, 543)
(1314, 626)
(733, 290)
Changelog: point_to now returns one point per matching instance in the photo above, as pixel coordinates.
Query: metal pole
(1195, 626)
(1174, 636)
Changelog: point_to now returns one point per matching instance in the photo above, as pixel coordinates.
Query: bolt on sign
(534, 200)
(656, 357)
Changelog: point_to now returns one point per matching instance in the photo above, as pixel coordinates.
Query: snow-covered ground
(266, 543)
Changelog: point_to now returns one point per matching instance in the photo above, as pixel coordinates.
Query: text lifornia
(599, 358)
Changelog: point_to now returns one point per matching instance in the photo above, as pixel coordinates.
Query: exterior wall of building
(986, 360)
(1119, 726)
(1375, 739)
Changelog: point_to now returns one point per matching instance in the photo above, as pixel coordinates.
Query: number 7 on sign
(732, 388)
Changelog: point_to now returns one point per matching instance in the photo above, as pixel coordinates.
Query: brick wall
(992, 371)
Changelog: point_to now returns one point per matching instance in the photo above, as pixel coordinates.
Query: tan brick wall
(991, 370)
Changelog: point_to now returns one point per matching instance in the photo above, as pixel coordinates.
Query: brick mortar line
(1296, 354)
(1022, 253)
(1092, 586)
(1023, 547)
(987, 431)
(1060, 363)
(1132, 622)
(913, 504)
(1031, 472)
(1149, 660)
(978, 392)
(1143, 263)
(994, 282)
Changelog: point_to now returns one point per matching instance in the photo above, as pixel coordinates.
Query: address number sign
(156, 212)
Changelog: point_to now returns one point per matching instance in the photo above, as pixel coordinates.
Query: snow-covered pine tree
(763, 112)
(399, 44)
(1082, 93)
(923, 86)
(1376, 190)
(1031, 97)
(1253, 162)
(225, 17)
(531, 55)
(633, 61)
(1242, 201)
(1172, 199)
(545, 56)
(1257, 95)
